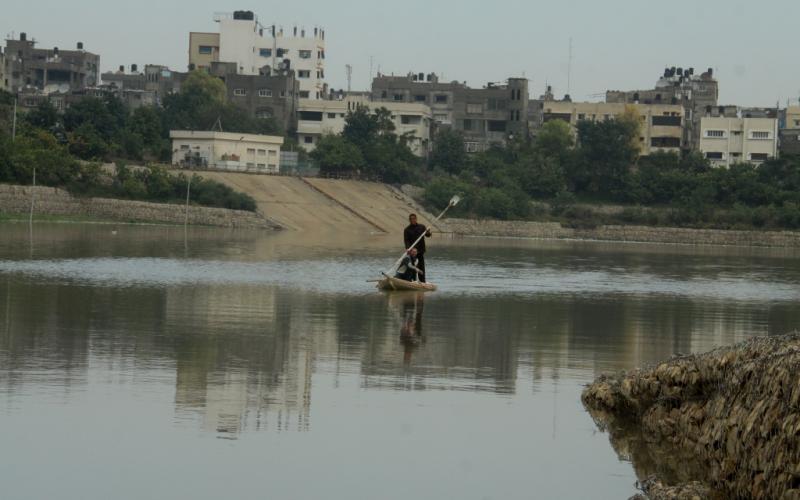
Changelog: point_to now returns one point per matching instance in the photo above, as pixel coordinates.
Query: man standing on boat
(413, 232)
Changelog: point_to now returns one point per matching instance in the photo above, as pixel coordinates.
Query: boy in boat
(408, 269)
(411, 233)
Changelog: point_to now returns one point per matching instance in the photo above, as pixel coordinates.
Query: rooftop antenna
(569, 68)
(349, 70)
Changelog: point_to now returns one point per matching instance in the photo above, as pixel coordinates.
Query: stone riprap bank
(733, 413)
(640, 234)
(16, 200)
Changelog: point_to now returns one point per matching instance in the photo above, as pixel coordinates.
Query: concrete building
(790, 131)
(661, 124)
(725, 141)
(3, 77)
(320, 117)
(263, 50)
(48, 70)
(492, 114)
(226, 151)
(263, 96)
(698, 94)
(157, 80)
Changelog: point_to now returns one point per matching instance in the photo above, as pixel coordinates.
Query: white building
(725, 141)
(258, 49)
(226, 151)
(322, 117)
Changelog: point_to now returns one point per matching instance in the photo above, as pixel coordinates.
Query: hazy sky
(617, 44)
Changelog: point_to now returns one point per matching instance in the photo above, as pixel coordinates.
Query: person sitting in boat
(408, 270)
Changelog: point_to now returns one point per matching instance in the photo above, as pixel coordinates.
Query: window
(304, 94)
(282, 52)
(250, 165)
(441, 118)
(474, 109)
(262, 152)
(398, 97)
(308, 139)
(205, 49)
(311, 116)
(283, 94)
(251, 151)
(667, 121)
(184, 147)
(497, 104)
(467, 125)
(304, 73)
(760, 135)
(715, 155)
(410, 119)
(471, 147)
(320, 73)
(265, 52)
(581, 116)
(715, 134)
(240, 92)
(264, 92)
(305, 54)
(759, 156)
(420, 98)
(262, 165)
(263, 114)
(440, 98)
(331, 115)
(496, 126)
(665, 142)
(273, 153)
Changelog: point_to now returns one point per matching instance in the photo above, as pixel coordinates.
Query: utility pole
(349, 70)
(569, 67)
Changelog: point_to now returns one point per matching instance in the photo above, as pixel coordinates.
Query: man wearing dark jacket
(411, 233)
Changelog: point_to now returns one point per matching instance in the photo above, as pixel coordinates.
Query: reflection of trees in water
(244, 356)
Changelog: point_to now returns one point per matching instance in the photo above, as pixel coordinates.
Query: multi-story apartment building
(49, 70)
(318, 117)
(790, 131)
(275, 96)
(141, 88)
(3, 78)
(263, 50)
(495, 113)
(725, 141)
(661, 124)
(696, 93)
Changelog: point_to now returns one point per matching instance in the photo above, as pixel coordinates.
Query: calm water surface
(140, 362)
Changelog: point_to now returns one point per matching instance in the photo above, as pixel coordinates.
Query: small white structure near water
(229, 151)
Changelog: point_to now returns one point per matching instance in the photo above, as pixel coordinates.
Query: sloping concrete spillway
(311, 204)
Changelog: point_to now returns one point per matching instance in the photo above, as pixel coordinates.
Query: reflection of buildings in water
(239, 380)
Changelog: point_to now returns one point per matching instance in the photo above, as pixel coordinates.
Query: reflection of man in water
(411, 328)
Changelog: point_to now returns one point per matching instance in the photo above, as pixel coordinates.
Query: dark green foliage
(448, 151)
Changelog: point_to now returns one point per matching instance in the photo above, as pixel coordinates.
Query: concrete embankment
(638, 234)
(326, 205)
(729, 418)
(16, 200)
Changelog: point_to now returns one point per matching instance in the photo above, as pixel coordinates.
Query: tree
(606, 155)
(554, 140)
(336, 155)
(44, 116)
(448, 151)
(202, 87)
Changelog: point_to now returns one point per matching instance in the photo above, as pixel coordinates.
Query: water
(140, 362)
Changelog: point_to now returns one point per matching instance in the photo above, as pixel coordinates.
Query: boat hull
(396, 284)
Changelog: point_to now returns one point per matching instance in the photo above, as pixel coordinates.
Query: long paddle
(453, 202)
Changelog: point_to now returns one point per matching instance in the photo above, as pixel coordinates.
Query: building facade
(790, 131)
(155, 79)
(226, 151)
(323, 117)
(48, 70)
(263, 50)
(661, 127)
(490, 115)
(725, 141)
(3, 78)
(698, 94)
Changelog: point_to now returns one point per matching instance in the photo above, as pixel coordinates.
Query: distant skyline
(616, 45)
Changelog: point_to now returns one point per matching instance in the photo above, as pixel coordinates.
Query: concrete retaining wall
(643, 234)
(53, 201)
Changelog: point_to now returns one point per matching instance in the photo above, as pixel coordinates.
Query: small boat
(396, 284)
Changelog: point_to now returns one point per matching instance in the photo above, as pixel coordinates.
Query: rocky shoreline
(725, 424)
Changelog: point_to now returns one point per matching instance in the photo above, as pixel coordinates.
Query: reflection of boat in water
(391, 284)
